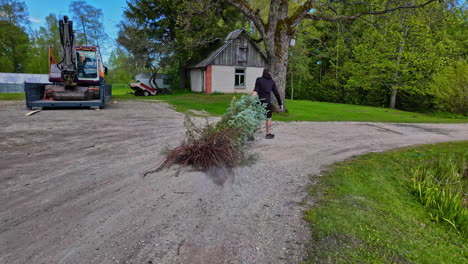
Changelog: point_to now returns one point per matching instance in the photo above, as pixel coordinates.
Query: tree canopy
(14, 41)
(394, 53)
(88, 23)
(162, 33)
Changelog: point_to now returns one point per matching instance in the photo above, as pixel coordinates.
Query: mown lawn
(12, 96)
(298, 110)
(368, 212)
(322, 111)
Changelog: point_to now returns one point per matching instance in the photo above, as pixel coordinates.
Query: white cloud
(35, 20)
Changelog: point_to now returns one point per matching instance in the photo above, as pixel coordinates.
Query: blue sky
(112, 10)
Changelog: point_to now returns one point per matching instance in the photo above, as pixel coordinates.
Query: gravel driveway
(72, 190)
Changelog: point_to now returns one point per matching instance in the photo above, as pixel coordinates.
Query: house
(162, 80)
(232, 68)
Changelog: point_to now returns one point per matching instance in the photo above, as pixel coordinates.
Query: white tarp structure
(162, 79)
(14, 82)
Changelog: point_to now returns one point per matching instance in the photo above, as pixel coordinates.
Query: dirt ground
(72, 188)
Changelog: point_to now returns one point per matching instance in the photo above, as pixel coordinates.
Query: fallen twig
(180, 245)
(33, 112)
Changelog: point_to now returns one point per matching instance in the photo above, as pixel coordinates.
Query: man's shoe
(270, 136)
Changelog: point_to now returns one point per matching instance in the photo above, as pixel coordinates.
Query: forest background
(410, 58)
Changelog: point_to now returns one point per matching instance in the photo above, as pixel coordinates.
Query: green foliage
(441, 185)
(362, 61)
(40, 41)
(304, 70)
(14, 12)
(14, 41)
(174, 34)
(366, 212)
(245, 115)
(450, 88)
(401, 52)
(122, 68)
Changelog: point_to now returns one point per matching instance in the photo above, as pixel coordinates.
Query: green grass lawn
(322, 111)
(12, 96)
(367, 212)
(298, 110)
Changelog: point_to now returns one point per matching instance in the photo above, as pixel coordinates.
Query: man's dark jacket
(264, 86)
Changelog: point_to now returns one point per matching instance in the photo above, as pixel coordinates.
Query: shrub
(245, 115)
(442, 186)
(450, 89)
(212, 150)
(219, 145)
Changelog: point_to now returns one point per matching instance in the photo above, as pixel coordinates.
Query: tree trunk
(154, 75)
(396, 78)
(393, 98)
(279, 68)
(276, 32)
(84, 30)
(277, 39)
(182, 76)
(16, 66)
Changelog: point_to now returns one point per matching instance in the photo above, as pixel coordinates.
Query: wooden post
(208, 79)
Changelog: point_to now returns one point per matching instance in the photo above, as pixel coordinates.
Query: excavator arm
(68, 63)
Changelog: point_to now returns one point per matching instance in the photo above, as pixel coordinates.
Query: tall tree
(122, 67)
(284, 16)
(14, 41)
(163, 32)
(450, 88)
(401, 52)
(41, 39)
(14, 12)
(88, 23)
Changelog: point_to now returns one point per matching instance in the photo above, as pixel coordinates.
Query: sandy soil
(72, 191)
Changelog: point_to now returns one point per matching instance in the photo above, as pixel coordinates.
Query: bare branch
(301, 12)
(257, 40)
(316, 17)
(273, 15)
(245, 8)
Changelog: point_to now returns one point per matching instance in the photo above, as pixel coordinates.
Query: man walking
(263, 87)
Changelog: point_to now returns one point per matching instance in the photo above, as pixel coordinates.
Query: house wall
(229, 56)
(196, 80)
(223, 79)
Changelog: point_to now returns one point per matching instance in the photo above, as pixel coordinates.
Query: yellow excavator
(76, 81)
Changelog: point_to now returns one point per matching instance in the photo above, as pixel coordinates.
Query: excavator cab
(87, 65)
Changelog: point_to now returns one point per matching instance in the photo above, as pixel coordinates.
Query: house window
(242, 54)
(239, 81)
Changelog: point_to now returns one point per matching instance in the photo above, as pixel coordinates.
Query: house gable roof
(229, 39)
